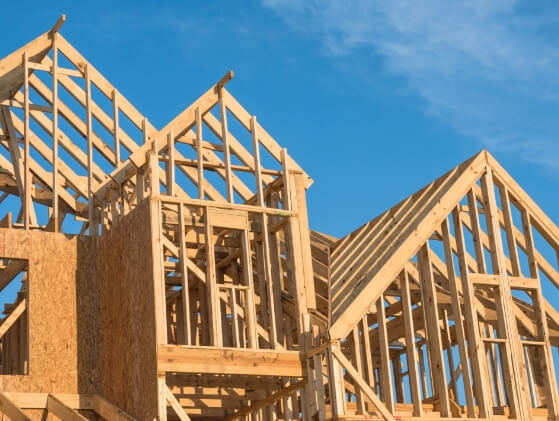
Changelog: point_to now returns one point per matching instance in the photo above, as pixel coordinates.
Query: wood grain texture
(63, 308)
(128, 357)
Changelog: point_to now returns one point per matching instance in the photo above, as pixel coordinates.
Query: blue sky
(373, 99)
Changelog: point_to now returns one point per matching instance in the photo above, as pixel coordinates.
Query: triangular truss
(86, 142)
(454, 272)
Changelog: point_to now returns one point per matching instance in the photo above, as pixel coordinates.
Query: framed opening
(14, 319)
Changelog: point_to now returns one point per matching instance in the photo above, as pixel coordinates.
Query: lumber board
(61, 410)
(8, 407)
(213, 360)
(176, 405)
(26, 400)
(8, 322)
(11, 71)
(384, 412)
(109, 411)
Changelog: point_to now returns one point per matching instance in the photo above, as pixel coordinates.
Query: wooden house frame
(171, 273)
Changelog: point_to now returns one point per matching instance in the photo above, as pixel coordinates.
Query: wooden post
(256, 154)
(247, 275)
(398, 379)
(434, 342)
(476, 232)
(140, 185)
(27, 204)
(369, 369)
(550, 382)
(422, 371)
(170, 164)
(200, 155)
(475, 346)
(161, 398)
(318, 378)
(515, 379)
(494, 368)
(160, 303)
(184, 280)
(265, 236)
(358, 362)
(510, 230)
(154, 175)
(158, 273)
(447, 341)
(116, 128)
(299, 202)
(295, 259)
(386, 378)
(145, 136)
(153, 168)
(211, 284)
(226, 150)
(336, 385)
(89, 136)
(286, 193)
(411, 352)
(458, 325)
(55, 132)
(294, 199)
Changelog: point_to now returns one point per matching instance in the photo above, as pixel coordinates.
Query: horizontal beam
(208, 360)
(89, 402)
(485, 279)
(222, 205)
(39, 400)
(61, 70)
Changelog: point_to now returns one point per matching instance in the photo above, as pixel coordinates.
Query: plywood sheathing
(127, 355)
(63, 312)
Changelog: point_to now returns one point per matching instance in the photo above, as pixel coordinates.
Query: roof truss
(70, 140)
(469, 272)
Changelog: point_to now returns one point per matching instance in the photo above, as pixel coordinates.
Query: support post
(199, 153)
(89, 136)
(434, 341)
(475, 346)
(26, 135)
(458, 324)
(411, 352)
(55, 132)
(160, 304)
(116, 128)
(336, 384)
(184, 279)
(170, 164)
(226, 150)
(386, 384)
(516, 381)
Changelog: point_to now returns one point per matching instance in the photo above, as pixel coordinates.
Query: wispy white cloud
(489, 68)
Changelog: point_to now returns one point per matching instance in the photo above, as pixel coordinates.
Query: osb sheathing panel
(127, 318)
(63, 312)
